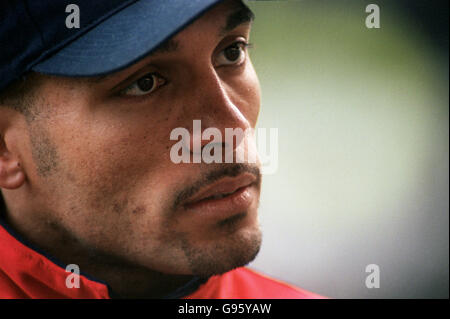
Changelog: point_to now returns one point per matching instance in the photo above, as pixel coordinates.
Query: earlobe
(12, 175)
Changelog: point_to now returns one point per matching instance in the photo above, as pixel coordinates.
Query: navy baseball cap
(112, 34)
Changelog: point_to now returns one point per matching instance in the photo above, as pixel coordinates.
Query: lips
(227, 197)
(225, 188)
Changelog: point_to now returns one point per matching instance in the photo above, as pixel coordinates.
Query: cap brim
(124, 38)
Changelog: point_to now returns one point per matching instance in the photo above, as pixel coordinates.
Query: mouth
(226, 196)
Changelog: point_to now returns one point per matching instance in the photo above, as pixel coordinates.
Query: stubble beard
(238, 248)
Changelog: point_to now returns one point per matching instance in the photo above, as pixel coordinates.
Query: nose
(217, 113)
(219, 105)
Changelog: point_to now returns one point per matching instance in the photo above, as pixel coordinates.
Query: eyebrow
(238, 17)
(167, 46)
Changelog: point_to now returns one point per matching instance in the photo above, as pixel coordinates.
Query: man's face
(98, 162)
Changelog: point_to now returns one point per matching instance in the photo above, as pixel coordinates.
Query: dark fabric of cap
(113, 34)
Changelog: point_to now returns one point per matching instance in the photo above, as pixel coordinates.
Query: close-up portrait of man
(223, 149)
(85, 167)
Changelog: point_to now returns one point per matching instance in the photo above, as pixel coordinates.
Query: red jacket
(27, 273)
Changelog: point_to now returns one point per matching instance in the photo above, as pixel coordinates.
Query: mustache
(230, 170)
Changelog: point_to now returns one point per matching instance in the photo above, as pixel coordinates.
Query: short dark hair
(19, 94)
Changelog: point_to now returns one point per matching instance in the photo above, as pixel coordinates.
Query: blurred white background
(363, 175)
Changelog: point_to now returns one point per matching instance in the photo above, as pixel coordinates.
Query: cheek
(111, 159)
(114, 179)
(249, 92)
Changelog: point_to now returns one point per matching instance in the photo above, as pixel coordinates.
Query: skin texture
(86, 173)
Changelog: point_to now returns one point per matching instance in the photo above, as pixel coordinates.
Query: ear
(12, 174)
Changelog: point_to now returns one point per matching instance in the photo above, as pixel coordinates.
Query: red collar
(26, 272)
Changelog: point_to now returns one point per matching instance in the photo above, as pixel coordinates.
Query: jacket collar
(28, 272)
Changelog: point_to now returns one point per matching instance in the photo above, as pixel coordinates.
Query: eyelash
(244, 46)
(123, 93)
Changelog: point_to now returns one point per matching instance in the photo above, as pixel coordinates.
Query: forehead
(229, 14)
(220, 20)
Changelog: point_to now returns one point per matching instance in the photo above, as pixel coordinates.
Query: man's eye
(235, 54)
(145, 85)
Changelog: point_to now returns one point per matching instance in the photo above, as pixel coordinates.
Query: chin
(236, 248)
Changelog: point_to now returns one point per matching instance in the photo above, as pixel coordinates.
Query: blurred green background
(363, 175)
